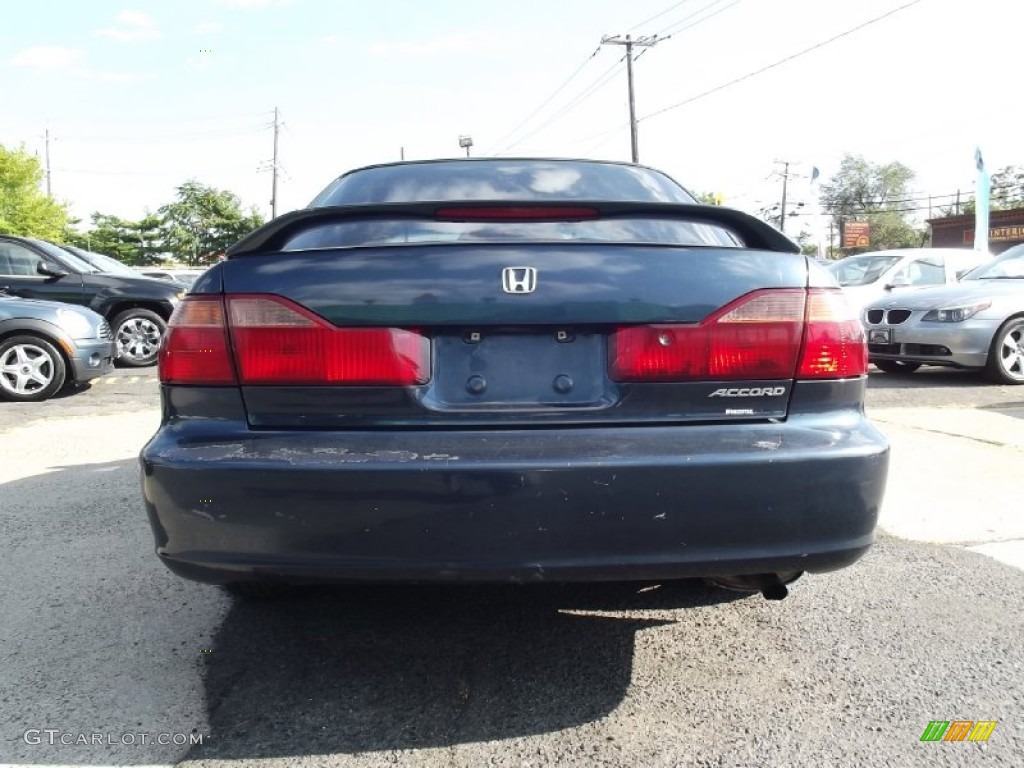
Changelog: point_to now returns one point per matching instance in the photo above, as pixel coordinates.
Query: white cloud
(47, 58)
(131, 27)
(106, 76)
(199, 63)
(329, 40)
(451, 44)
(207, 28)
(252, 3)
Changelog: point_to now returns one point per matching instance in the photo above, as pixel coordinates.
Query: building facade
(1005, 229)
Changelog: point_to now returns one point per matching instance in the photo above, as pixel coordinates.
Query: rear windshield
(501, 180)
(644, 231)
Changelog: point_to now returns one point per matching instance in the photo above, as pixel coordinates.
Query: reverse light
(195, 347)
(955, 314)
(834, 344)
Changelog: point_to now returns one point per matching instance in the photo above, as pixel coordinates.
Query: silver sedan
(977, 323)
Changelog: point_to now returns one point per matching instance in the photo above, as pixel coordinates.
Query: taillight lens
(277, 342)
(274, 341)
(195, 348)
(769, 334)
(755, 337)
(834, 345)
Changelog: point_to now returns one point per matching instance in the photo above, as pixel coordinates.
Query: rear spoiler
(755, 233)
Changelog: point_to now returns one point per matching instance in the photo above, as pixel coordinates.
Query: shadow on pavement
(355, 669)
(927, 376)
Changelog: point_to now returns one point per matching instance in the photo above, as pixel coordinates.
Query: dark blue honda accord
(513, 370)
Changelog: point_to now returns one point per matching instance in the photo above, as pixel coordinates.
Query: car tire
(137, 335)
(1005, 364)
(896, 366)
(21, 355)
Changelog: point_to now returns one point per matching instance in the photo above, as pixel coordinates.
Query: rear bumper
(91, 358)
(229, 504)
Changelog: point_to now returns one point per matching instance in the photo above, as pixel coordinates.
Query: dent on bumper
(228, 504)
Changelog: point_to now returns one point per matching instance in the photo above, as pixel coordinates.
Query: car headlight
(956, 314)
(78, 326)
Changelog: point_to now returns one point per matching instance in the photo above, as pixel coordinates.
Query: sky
(139, 97)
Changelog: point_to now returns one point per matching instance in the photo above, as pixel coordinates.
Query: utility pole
(274, 165)
(785, 185)
(273, 194)
(48, 162)
(630, 43)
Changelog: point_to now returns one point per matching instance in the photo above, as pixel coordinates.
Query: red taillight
(277, 342)
(769, 334)
(517, 213)
(195, 348)
(834, 346)
(755, 337)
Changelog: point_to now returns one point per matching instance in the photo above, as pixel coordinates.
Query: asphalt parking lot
(97, 638)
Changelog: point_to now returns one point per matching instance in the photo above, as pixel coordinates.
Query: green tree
(134, 242)
(203, 222)
(24, 210)
(708, 198)
(1007, 192)
(866, 191)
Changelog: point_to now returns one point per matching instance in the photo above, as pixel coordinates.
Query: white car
(868, 277)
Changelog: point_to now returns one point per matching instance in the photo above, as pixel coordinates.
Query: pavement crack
(933, 431)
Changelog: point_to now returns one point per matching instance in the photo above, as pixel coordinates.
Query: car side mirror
(49, 270)
(900, 281)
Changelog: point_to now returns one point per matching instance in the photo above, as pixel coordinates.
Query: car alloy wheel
(1006, 358)
(137, 335)
(30, 369)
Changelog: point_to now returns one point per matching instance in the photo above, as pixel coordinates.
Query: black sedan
(136, 307)
(513, 370)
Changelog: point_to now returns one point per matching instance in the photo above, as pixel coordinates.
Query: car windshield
(501, 180)
(862, 270)
(1008, 266)
(106, 264)
(347, 234)
(75, 262)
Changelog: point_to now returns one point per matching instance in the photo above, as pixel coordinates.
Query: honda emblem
(519, 279)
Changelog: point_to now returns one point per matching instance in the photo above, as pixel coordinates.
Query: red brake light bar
(517, 213)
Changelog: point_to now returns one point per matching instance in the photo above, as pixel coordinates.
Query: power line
(663, 37)
(675, 26)
(547, 101)
(589, 91)
(780, 62)
(659, 14)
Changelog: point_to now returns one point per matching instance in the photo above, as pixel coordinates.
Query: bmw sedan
(977, 324)
(513, 370)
